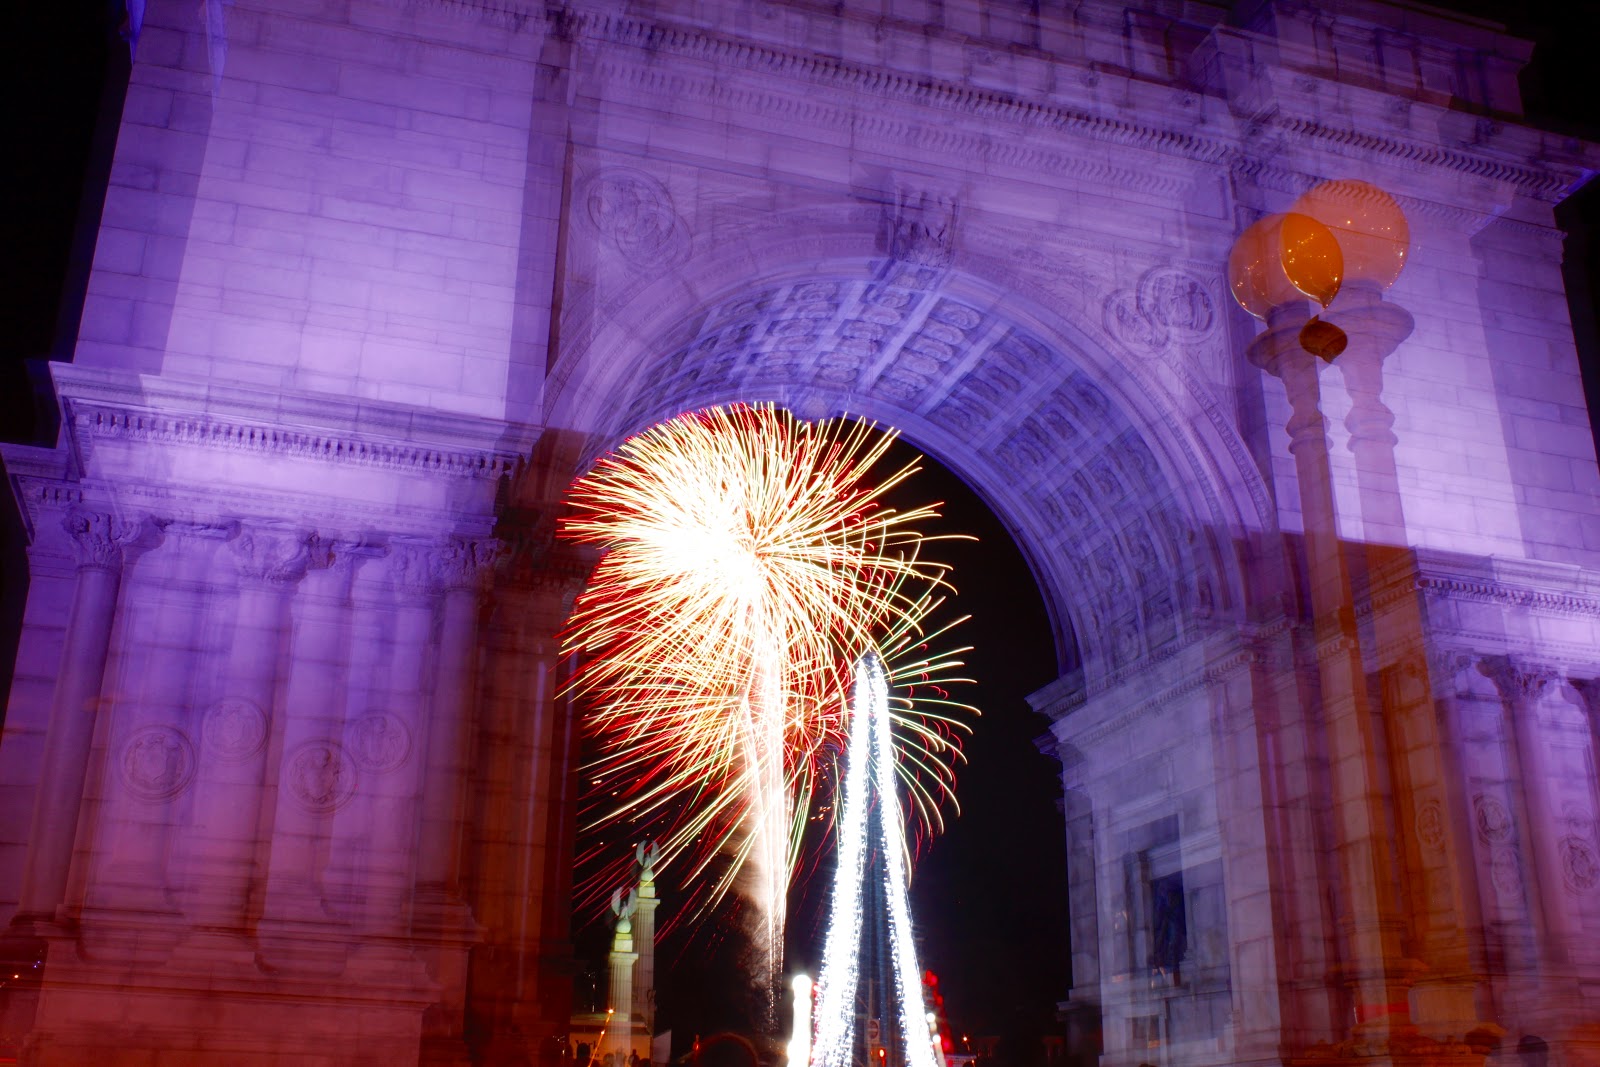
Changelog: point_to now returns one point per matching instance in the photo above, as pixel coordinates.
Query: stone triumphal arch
(287, 764)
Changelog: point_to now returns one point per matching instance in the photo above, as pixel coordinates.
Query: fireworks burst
(749, 562)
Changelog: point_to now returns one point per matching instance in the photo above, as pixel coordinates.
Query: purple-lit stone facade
(285, 773)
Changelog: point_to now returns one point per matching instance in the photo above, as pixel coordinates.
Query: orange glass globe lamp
(1368, 224)
(1282, 260)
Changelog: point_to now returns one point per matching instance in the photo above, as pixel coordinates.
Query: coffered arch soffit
(1125, 513)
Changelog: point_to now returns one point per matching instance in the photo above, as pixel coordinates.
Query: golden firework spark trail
(749, 561)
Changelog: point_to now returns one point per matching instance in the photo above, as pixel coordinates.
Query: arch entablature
(1117, 506)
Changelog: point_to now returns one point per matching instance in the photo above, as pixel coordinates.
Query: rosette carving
(378, 741)
(1580, 867)
(635, 214)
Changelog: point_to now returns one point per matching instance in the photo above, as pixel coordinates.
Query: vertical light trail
(907, 974)
(841, 948)
(798, 1052)
(870, 763)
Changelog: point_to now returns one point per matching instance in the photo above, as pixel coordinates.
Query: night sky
(990, 894)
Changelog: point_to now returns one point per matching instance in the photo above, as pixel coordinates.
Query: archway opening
(987, 891)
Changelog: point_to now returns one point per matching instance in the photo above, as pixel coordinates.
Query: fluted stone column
(235, 728)
(621, 959)
(1371, 927)
(1588, 692)
(1521, 685)
(443, 923)
(312, 770)
(382, 822)
(522, 835)
(461, 565)
(100, 540)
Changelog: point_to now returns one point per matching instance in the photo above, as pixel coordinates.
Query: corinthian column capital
(272, 554)
(1518, 680)
(100, 537)
(412, 567)
(1588, 690)
(465, 564)
(423, 568)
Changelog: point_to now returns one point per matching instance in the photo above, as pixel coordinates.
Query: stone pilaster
(313, 775)
(100, 540)
(461, 567)
(1521, 685)
(386, 743)
(224, 865)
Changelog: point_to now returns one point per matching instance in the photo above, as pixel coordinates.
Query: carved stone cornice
(507, 14)
(93, 422)
(1494, 592)
(1546, 184)
(1126, 126)
(100, 405)
(1523, 590)
(40, 484)
(1523, 584)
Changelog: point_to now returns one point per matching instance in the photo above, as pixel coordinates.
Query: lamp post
(1273, 284)
(1375, 238)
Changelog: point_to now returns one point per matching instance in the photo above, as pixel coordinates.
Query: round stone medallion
(1494, 821)
(1580, 823)
(378, 741)
(1430, 824)
(157, 762)
(235, 729)
(1178, 301)
(1579, 865)
(1506, 872)
(319, 776)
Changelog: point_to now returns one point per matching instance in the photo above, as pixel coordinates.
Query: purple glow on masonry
(286, 772)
